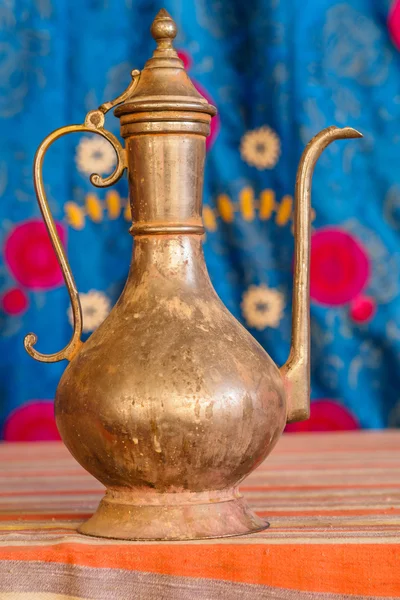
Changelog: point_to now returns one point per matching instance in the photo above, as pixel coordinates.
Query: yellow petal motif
(284, 211)
(75, 215)
(113, 203)
(267, 204)
(210, 221)
(94, 208)
(225, 208)
(246, 199)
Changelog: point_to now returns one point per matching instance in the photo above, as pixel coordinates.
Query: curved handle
(296, 371)
(93, 123)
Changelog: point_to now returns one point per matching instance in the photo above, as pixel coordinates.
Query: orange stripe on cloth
(370, 569)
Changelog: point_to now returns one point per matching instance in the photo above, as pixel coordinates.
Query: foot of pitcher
(172, 517)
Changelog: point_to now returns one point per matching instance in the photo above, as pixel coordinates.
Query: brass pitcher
(171, 403)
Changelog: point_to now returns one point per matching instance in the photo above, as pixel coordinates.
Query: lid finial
(163, 84)
(163, 30)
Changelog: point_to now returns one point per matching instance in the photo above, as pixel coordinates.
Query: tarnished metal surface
(171, 402)
(171, 396)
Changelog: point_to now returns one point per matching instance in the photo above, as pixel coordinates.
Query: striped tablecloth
(332, 500)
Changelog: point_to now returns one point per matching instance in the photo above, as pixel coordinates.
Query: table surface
(333, 502)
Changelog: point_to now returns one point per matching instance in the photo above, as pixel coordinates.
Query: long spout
(296, 371)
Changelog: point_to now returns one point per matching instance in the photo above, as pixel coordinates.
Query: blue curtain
(278, 71)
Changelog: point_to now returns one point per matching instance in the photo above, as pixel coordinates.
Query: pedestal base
(172, 517)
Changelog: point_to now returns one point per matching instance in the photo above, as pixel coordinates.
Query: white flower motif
(95, 308)
(260, 148)
(262, 306)
(95, 155)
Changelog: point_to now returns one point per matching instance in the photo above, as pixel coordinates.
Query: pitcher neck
(165, 171)
(164, 260)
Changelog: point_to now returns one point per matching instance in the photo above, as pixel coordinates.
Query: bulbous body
(171, 395)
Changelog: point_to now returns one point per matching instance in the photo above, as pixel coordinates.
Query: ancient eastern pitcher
(171, 403)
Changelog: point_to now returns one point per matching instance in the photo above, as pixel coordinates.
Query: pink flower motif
(339, 267)
(326, 415)
(14, 301)
(215, 121)
(394, 23)
(362, 309)
(31, 422)
(30, 255)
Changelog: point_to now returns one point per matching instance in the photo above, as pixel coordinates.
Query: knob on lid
(164, 83)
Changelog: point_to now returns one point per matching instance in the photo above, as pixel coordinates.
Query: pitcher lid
(164, 84)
